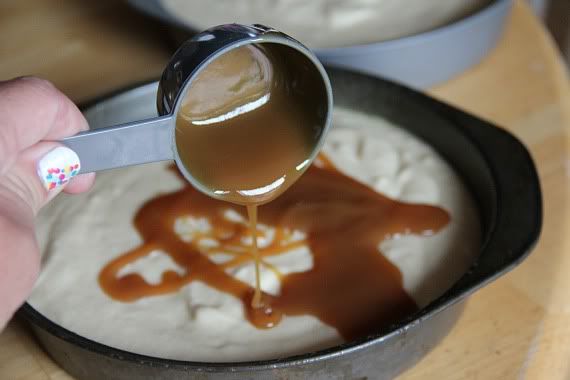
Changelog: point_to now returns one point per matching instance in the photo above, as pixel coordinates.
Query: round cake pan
(419, 61)
(497, 170)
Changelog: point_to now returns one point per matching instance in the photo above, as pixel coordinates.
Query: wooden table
(516, 328)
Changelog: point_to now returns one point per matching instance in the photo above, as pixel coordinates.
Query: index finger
(32, 110)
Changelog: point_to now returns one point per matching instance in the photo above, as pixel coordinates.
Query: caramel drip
(351, 286)
(252, 215)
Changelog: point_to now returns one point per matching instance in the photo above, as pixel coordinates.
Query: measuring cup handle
(124, 145)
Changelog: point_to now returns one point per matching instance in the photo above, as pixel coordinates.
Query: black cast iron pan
(494, 165)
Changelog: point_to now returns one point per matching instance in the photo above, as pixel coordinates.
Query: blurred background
(556, 16)
(424, 45)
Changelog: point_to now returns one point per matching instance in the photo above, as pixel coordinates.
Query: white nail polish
(57, 167)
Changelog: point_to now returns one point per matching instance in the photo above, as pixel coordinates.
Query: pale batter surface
(327, 23)
(80, 234)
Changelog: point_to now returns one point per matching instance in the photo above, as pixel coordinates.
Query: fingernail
(57, 167)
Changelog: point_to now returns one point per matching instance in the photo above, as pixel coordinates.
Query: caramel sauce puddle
(351, 286)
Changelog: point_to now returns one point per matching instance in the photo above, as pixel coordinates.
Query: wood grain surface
(516, 328)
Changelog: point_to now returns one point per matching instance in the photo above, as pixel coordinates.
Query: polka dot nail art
(57, 167)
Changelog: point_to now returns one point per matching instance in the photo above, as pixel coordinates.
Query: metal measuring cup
(154, 139)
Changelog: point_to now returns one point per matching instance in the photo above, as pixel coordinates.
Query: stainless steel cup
(154, 139)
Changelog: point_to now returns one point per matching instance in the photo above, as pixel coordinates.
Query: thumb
(41, 172)
(31, 173)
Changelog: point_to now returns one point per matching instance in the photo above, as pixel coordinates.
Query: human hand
(33, 114)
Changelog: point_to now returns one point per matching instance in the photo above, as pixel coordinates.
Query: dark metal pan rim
(472, 280)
